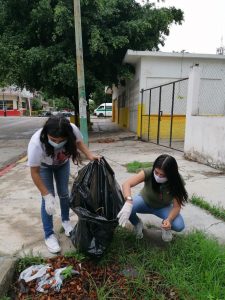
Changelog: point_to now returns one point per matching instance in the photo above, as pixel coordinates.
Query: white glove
(124, 214)
(49, 204)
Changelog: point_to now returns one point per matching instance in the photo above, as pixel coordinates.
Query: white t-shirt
(36, 150)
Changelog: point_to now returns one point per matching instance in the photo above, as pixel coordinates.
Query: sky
(202, 29)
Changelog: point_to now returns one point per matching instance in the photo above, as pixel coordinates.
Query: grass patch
(27, 261)
(216, 211)
(75, 254)
(136, 166)
(190, 267)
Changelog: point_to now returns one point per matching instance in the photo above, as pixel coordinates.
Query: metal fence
(163, 114)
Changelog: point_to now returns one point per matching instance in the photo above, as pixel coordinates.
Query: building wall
(132, 100)
(204, 135)
(153, 71)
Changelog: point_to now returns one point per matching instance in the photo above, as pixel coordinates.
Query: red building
(13, 103)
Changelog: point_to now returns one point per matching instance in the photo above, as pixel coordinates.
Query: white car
(103, 110)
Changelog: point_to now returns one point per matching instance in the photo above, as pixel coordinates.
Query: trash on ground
(45, 276)
(116, 282)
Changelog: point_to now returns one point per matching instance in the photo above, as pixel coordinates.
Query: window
(6, 105)
(9, 104)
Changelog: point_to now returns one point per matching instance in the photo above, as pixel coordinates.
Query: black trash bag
(96, 198)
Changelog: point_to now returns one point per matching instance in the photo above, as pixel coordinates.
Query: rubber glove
(49, 204)
(124, 214)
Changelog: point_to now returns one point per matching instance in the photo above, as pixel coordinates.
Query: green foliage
(35, 113)
(192, 264)
(36, 104)
(92, 106)
(61, 103)
(68, 272)
(216, 211)
(27, 261)
(136, 166)
(99, 94)
(74, 254)
(37, 48)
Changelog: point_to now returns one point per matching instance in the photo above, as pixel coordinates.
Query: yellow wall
(124, 117)
(178, 127)
(115, 111)
(139, 121)
(178, 124)
(114, 106)
(120, 115)
(75, 120)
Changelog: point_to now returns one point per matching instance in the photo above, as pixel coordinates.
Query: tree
(37, 48)
(36, 104)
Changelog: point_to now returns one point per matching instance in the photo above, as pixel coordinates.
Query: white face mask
(160, 179)
(55, 145)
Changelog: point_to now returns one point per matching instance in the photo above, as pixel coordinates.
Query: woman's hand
(93, 157)
(125, 213)
(84, 149)
(166, 224)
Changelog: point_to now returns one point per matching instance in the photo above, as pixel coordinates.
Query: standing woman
(163, 195)
(49, 151)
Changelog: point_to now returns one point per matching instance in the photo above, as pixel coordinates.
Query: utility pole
(80, 72)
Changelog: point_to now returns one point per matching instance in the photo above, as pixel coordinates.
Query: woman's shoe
(67, 227)
(52, 244)
(167, 235)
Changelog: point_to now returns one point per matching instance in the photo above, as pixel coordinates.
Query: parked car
(45, 114)
(103, 110)
(65, 113)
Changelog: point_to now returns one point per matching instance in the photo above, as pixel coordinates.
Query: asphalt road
(15, 133)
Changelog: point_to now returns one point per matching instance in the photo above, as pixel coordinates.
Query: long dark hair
(58, 126)
(169, 165)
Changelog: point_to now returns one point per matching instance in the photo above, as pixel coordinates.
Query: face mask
(55, 145)
(160, 179)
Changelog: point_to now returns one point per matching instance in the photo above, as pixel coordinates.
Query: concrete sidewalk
(20, 222)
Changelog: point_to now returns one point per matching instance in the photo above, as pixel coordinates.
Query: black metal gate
(163, 114)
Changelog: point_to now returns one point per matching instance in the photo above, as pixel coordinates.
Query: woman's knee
(178, 225)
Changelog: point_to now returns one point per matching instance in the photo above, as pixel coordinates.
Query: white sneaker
(167, 235)
(52, 244)
(138, 230)
(67, 227)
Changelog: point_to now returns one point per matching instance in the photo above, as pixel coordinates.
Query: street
(15, 133)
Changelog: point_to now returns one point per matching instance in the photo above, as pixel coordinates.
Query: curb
(6, 169)
(19, 159)
(6, 275)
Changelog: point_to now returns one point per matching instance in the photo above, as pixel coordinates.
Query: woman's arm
(131, 182)
(35, 174)
(125, 212)
(172, 215)
(84, 149)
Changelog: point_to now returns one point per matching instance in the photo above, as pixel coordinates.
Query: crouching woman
(163, 195)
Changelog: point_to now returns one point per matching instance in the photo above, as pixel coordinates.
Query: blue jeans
(139, 206)
(61, 175)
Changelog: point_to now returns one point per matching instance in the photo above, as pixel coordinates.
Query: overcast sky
(202, 29)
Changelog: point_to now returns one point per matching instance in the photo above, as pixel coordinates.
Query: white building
(158, 68)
